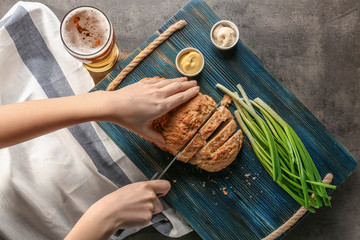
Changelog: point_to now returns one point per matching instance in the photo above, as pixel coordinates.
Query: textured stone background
(312, 47)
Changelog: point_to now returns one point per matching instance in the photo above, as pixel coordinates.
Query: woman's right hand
(128, 207)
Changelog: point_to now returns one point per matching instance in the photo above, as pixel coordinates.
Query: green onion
(280, 150)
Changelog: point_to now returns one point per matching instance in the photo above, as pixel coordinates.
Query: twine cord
(295, 218)
(160, 39)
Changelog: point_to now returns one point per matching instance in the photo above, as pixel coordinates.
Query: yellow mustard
(190, 62)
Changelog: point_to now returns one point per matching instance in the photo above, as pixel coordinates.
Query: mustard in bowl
(189, 62)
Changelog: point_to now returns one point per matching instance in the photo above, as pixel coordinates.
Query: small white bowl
(226, 23)
(181, 53)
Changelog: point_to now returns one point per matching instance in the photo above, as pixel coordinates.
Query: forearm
(22, 121)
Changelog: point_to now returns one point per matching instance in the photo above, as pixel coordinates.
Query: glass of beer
(89, 36)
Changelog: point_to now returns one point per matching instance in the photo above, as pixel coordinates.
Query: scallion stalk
(280, 150)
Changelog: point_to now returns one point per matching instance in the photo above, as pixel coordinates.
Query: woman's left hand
(135, 106)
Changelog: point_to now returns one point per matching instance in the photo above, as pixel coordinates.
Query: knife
(159, 175)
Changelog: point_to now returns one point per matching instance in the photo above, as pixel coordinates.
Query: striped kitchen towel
(47, 183)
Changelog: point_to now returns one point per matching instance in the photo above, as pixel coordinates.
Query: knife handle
(118, 232)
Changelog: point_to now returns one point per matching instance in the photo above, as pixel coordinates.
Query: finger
(151, 80)
(158, 207)
(166, 82)
(181, 97)
(176, 87)
(154, 137)
(160, 187)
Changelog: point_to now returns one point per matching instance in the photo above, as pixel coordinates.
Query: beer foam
(85, 30)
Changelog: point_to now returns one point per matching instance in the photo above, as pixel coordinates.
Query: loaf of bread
(214, 146)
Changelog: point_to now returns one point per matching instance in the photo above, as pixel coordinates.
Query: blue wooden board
(255, 206)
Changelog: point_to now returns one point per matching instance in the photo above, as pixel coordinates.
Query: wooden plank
(255, 207)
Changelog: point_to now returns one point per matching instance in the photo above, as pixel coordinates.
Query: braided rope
(160, 39)
(295, 218)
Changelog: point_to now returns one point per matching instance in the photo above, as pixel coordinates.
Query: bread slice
(220, 115)
(215, 141)
(225, 155)
(181, 123)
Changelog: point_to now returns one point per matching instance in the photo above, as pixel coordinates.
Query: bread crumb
(251, 196)
(203, 184)
(260, 191)
(224, 191)
(249, 183)
(226, 177)
(254, 178)
(174, 180)
(247, 175)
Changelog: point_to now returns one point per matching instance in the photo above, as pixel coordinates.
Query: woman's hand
(137, 105)
(133, 205)
(129, 207)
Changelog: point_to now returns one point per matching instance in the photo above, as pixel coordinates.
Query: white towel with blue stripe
(47, 183)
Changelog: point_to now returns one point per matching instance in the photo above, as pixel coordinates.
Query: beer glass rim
(90, 54)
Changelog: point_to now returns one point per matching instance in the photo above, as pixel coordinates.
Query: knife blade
(159, 175)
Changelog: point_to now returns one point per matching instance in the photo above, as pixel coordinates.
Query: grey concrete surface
(312, 47)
